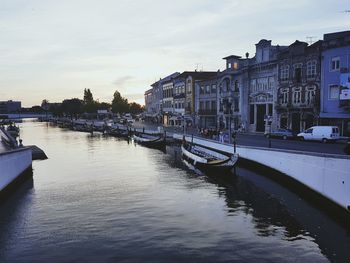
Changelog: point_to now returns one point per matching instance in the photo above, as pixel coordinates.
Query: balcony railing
(207, 112)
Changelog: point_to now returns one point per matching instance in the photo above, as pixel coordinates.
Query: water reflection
(100, 198)
(14, 210)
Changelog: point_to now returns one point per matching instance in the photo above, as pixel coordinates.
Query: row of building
(293, 87)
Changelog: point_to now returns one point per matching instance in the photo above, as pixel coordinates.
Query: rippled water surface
(102, 199)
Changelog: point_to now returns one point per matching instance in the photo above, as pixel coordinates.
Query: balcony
(207, 112)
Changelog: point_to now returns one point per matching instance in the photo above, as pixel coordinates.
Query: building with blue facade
(335, 64)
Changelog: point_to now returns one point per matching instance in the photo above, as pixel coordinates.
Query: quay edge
(325, 174)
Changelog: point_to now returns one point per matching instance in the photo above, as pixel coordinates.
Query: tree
(88, 98)
(135, 108)
(90, 105)
(119, 104)
(72, 107)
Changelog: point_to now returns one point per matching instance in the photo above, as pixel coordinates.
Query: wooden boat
(206, 159)
(118, 132)
(153, 141)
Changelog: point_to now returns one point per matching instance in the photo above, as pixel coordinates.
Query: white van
(320, 133)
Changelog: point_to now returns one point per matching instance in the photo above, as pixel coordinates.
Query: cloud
(57, 48)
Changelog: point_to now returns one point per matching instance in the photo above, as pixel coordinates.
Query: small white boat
(206, 159)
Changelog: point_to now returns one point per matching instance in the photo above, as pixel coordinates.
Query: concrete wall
(327, 174)
(12, 164)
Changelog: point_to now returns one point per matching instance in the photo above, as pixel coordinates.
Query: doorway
(296, 122)
(260, 117)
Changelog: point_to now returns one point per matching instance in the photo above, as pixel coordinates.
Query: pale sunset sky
(53, 49)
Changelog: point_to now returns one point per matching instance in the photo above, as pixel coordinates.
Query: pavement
(259, 140)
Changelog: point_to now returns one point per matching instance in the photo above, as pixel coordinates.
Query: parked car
(320, 133)
(280, 133)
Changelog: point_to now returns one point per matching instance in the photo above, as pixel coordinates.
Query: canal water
(103, 199)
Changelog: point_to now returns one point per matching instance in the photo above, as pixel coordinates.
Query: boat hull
(155, 142)
(201, 163)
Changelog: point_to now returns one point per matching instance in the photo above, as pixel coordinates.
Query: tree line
(76, 106)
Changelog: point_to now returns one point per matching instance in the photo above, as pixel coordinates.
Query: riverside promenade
(257, 140)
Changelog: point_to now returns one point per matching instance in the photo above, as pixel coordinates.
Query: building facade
(167, 101)
(299, 78)
(231, 105)
(262, 74)
(190, 78)
(206, 103)
(335, 64)
(10, 106)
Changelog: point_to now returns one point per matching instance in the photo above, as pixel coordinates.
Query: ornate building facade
(262, 80)
(299, 80)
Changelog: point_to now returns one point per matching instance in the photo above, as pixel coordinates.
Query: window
(201, 91)
(213, 89)
(309, 131)
(236, 86)
(235, 65)
(296, 95)
(335, 64)
(297, 72)
(271, 83)
(311, 69)
(284, 96)
(236, 104)
(284, 73)
(207, 105)
(333, 92)
(229, 65)
(207, 89)
(201, 105)
(262, 84)
(310, 95)
(213, 105)
(253, 85)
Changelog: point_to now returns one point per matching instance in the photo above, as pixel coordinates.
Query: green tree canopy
(88, 98)
(119, 104)
(135, 108)
(72, 107)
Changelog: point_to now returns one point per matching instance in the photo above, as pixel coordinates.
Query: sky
(53, 49)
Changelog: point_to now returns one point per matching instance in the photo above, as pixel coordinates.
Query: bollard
(269, 142)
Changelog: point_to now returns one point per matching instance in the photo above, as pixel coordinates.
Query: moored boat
(153, 141)
(118, 132)
(206, 159)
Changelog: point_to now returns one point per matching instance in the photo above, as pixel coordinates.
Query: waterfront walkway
(259, 140)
